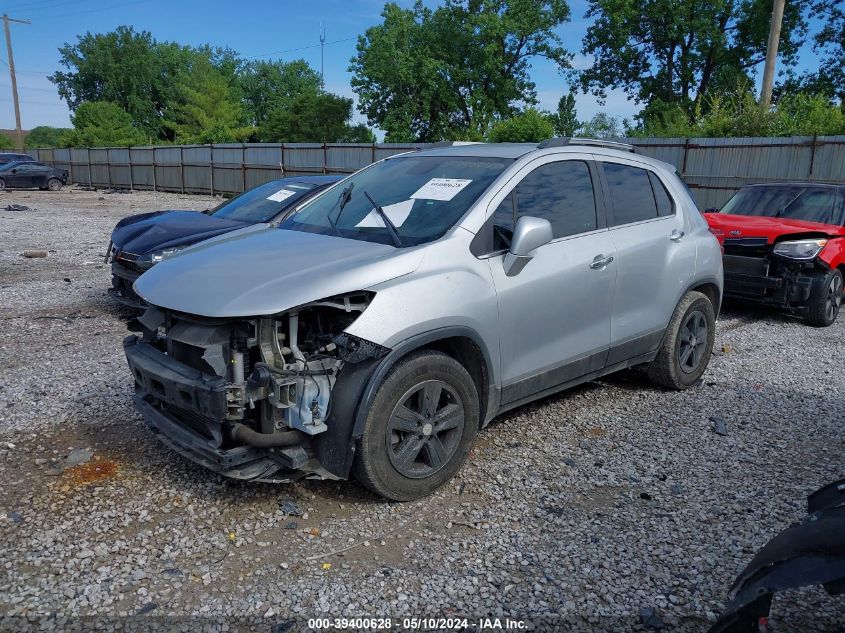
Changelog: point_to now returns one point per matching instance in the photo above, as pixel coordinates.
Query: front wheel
(54, 184)
(825, 298)
(419, 429)
(2, 185)
(687, 344)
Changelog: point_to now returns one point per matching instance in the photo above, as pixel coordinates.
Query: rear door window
(665, 206)
(631, 193)
(562, 193)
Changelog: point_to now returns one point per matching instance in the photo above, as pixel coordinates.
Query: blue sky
(286, 30)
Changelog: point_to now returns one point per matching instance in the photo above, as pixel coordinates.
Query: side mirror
(711, 210)
(529, 234)
(14, 171)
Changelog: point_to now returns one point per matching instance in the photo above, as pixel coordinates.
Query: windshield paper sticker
(397, 213)
(281, 195)
(440, 189)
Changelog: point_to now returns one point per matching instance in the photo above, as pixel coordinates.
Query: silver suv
(376, 329)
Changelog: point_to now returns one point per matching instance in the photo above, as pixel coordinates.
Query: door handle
(676, 235)
(600, 261)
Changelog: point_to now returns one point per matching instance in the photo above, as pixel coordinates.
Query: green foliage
(739, 114)
(677, 51)
(45, 136)
(101, 124)
(451, 72)
(530, 126)
(274, 85)
(314, 118)
(603, 126)
(6, 142)
(565, 120)
(828, 78)
(205, 109)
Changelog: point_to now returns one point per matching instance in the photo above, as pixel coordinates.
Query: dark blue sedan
(140, 241)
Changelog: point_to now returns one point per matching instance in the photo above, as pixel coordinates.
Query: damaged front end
(810, 552)
(267, 398)
(770, 273)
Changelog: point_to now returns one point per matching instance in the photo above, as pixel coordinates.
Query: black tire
(387, 460)
(54, 184)
(2, 185)
(687, 344)
(825, 298)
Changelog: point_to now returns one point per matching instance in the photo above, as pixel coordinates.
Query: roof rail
(452, 144)
(563, 142)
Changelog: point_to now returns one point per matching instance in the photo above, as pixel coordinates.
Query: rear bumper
(188, 411)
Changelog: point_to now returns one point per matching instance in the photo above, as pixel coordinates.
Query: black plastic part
(335, 449)
(811, 552)
(829, 496)
(251, 437)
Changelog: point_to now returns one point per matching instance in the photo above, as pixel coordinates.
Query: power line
(302, 48)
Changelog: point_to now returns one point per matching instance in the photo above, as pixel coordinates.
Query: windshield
(422, 197)
(263, 202)
(811, 204)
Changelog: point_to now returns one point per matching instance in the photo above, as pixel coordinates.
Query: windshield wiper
(342, 199)
(391, 228)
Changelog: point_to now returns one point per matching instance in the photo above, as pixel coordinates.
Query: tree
(677, 51)
(565, 120)
(124, 67)
(828, 78)
(45, 136)
(322, 118)
(602, 126)
(274, 85)
(206, 111)
(101, 124)
(530, 126)
(6, 142)
(451, 72)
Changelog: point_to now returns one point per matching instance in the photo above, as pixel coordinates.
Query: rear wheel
(419, 429)
(54, 184)
(687, 344)
(2, 185)
(825, 298)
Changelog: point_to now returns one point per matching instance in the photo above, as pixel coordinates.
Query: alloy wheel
(692, 341)
(834, 297)
(425, 429)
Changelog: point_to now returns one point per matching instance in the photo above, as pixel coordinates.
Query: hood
(740, 226)
(270, 271)
(146, 232)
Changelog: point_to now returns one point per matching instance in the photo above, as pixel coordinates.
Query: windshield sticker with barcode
(281, 195)
(440, 189)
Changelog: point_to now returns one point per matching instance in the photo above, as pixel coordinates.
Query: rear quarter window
(631, 193)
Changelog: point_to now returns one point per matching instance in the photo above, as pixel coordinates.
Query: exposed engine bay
(261, 383)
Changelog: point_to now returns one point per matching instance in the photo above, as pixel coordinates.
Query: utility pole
(322, 56)
(18, 131)
(772, 53)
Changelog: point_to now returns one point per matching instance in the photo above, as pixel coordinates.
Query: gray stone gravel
(576, 512)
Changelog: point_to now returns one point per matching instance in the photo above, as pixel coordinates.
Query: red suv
(784, 245)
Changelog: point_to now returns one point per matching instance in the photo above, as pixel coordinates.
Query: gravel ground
(573, 513)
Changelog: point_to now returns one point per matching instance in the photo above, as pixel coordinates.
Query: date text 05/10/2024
(417, 624)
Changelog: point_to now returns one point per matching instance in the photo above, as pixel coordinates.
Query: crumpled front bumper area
(121, 281)
(757, 279)
(187, 410)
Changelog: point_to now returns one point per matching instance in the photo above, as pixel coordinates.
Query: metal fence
(714, 168)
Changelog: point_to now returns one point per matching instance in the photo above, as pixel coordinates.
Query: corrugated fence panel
(346, 158)
(713, 168)
(142, 172)
(263, 163)
(828, 159)
(197, 169)
(120, 175)
(168, 168)
(98, 159)
(303, 158)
